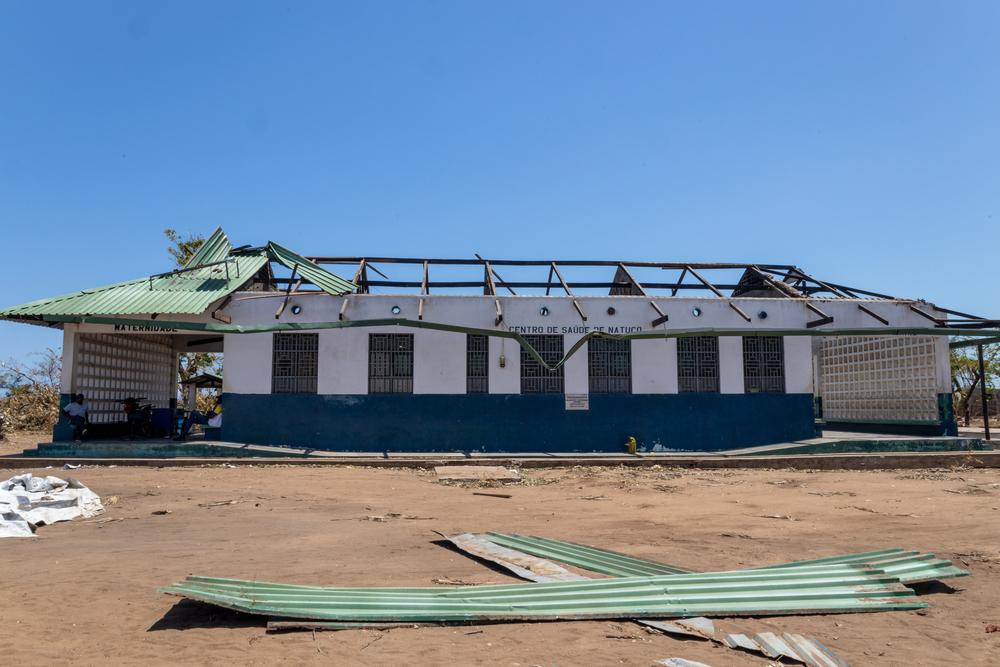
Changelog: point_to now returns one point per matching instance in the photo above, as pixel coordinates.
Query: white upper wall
(439, 357)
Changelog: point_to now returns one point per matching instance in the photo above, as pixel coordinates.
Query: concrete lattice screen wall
(880, 378)
(110, 367)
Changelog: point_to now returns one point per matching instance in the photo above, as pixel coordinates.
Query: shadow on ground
(188, 614)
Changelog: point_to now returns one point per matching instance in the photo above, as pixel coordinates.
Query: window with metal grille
(698, 364)
(390, 363)
(477, 367)
(764, 364)
(535, 378)
(609, 364)
(294, 363)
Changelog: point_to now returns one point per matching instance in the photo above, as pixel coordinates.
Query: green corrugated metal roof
(215, 249)
(315, 274)
(191, 292)
(908, 566)
(213, 273)
(836, 589)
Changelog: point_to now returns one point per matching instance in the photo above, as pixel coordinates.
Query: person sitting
(213, 419)
(76, 410)
(136, 417)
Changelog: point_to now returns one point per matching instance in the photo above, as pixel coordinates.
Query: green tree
(965, 377)
(182, 248)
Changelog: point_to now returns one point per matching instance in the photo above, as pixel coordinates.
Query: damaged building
(477, 354)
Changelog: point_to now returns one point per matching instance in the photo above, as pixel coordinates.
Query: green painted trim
(972, 343)
(214, 327)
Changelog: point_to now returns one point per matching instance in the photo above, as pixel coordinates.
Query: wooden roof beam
(494, 273)
(873, 314)
(569, 292)
(662, 316)
(288, 292)
(928, 316)
(704, 282)
(823, 317)
(680, 280)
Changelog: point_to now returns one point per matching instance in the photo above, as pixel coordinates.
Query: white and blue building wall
(857, 380)
(440, 415)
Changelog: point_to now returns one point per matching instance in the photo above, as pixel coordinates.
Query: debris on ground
(382, 518)
(447, 581)
(492, 495)
(902, 566)
(476, 474)
(27, 502)
(681, 662)
(221, 503)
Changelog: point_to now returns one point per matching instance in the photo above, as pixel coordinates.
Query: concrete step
(149, 449)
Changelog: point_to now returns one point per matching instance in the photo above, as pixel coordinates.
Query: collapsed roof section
(215, 271)
(218, 269)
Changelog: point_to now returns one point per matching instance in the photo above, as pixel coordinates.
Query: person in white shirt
(76, 410)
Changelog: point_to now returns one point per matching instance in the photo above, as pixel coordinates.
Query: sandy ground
(17, 442)
(85, 591)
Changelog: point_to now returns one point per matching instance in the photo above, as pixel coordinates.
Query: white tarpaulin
(27, 502)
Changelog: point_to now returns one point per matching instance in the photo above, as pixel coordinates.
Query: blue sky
(859, 140)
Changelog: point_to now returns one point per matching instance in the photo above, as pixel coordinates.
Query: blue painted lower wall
(516, 423)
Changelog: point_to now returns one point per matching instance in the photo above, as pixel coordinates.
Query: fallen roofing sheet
(826, 589)
(523, 565)
(909, 566)
(809, 652)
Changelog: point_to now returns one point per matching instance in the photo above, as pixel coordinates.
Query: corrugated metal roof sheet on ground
(585, 557)
(522, 564)
(839, 590)
(909, 566)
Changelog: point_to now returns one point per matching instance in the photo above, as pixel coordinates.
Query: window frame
(297, 382)
(601, 357)
(757, 363)
(477, 364)
(699, 359)
(399, 351)
(541, 380)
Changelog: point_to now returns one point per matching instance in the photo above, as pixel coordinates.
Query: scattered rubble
(27, 502)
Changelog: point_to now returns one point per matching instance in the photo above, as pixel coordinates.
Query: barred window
(764, 364)
(535, 378)
(698, 364)
(294, 363)
(390, 363)
(609, 365)
(477, 367)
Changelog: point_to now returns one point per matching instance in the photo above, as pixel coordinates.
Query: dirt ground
(85, 591)
(18, 441)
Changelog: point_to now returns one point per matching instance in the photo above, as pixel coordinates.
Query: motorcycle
(138, 416)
